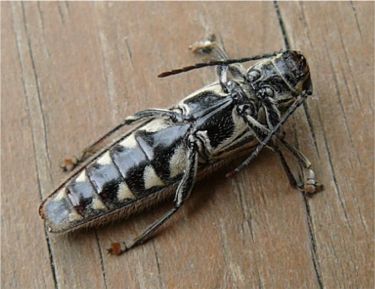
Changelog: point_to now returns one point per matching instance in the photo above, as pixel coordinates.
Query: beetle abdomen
(141, 164)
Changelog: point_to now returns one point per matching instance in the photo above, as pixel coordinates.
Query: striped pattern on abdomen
(143, 163)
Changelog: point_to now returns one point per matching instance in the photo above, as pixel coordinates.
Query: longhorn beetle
(170, 149)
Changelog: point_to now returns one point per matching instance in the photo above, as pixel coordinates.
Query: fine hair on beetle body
(170, 149)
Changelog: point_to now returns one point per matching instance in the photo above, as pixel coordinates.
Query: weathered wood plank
(37, 59)
(340, 43)
(24, 250)
(74, 70)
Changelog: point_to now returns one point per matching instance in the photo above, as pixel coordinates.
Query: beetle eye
(253, 75)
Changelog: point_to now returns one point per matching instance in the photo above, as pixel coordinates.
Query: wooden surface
(71, 71)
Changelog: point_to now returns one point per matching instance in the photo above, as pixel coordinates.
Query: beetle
(169, 149)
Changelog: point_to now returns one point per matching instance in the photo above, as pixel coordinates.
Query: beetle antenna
(217, 62)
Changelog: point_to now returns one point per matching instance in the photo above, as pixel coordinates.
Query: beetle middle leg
(182, 193)
(70, 163)
(153, 113)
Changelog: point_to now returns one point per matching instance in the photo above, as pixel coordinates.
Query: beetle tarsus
(115, 249)
(204, 46)
(69, 164)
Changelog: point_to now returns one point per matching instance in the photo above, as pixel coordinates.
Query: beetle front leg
(272, 132)
(210, 48)
(292, 180)
(182, 193)
(310, 186)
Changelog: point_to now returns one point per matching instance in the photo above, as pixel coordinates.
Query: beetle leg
(259, 129)
(273, 132)
(206, 47)
(210, 48)
(292, 180)
(222, 72)
(153, 113)
(182, 193)
(310, 185)
(70, 163)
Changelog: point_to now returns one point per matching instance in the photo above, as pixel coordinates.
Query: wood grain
(343, 221)
(71, 71)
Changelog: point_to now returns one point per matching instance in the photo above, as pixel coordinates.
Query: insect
(170, 149)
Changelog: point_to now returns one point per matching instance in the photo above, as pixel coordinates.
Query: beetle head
(281, 78)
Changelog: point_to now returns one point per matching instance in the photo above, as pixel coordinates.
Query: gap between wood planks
(17, 32)
(312, 238)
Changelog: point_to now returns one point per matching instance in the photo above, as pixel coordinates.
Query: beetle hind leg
(71, 162)
(182, 193)
(310, 185)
